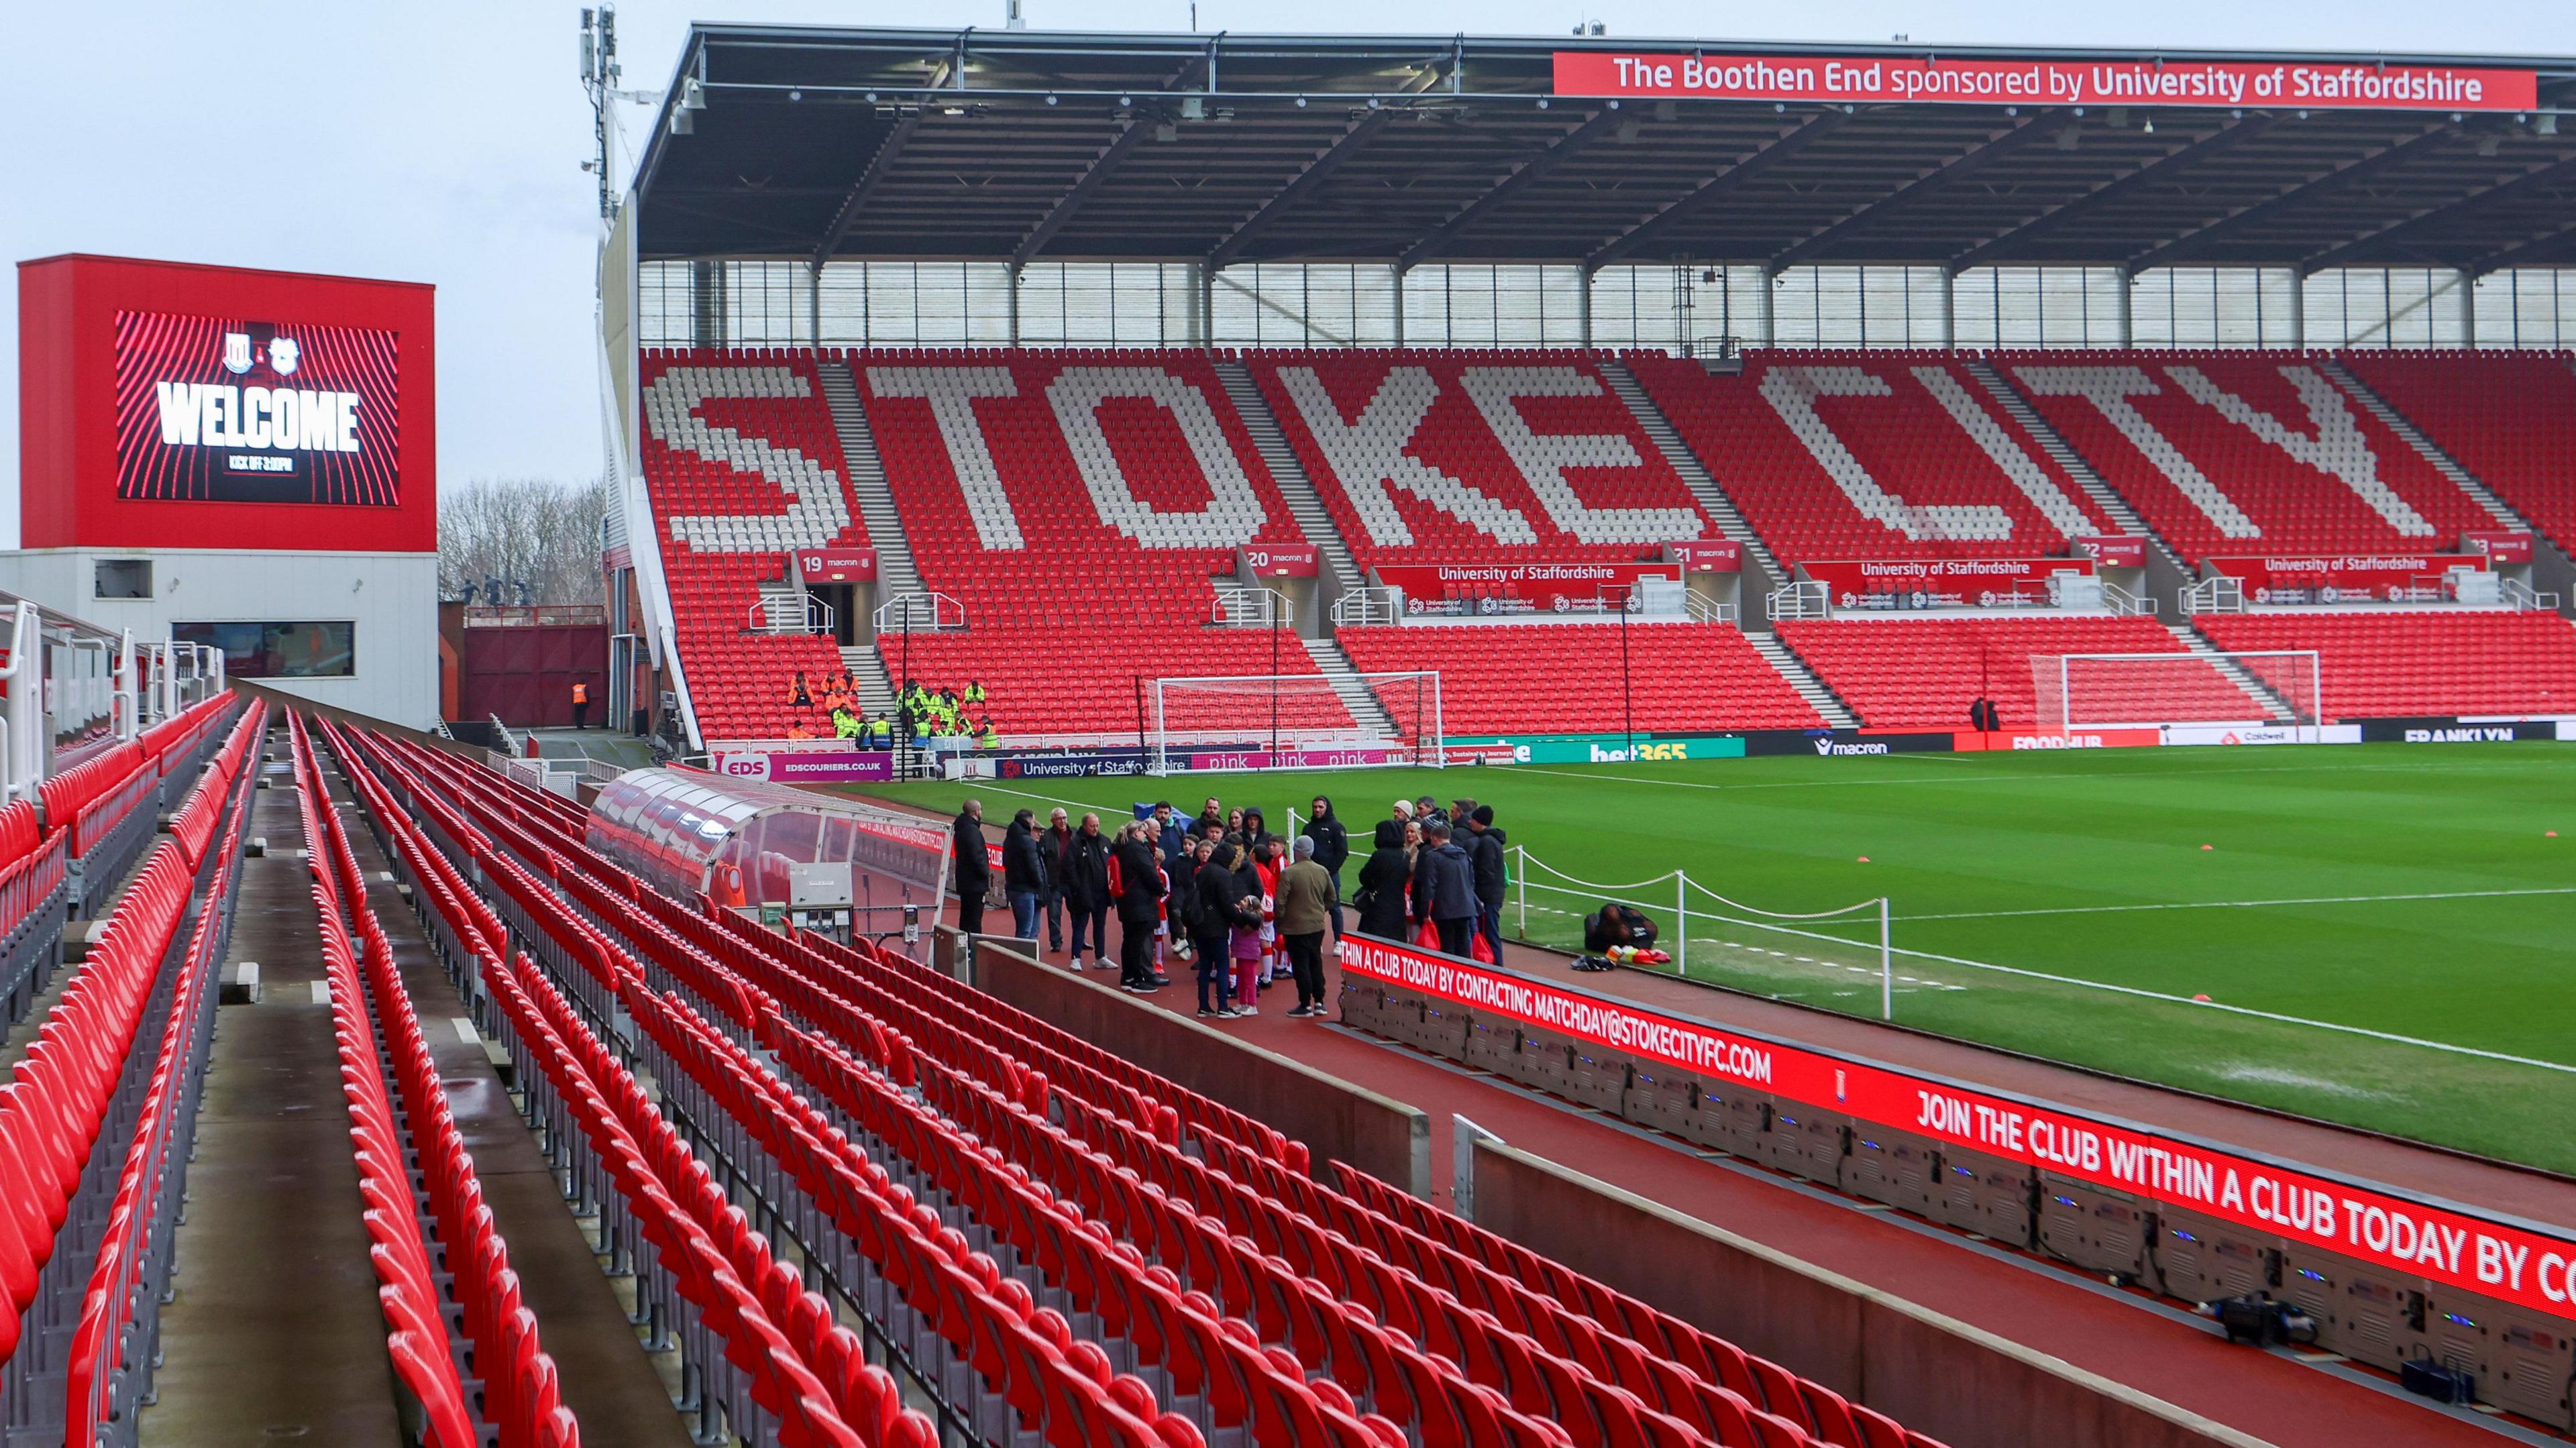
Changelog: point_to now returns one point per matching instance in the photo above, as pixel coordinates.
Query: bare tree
(538, 537)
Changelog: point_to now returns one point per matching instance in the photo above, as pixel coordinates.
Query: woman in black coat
(1380, 896)
(1221, 908)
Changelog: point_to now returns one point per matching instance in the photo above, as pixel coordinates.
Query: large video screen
(223, 410)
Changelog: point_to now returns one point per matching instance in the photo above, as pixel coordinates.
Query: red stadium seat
(2507, 417)
(1924, 672)
(1561, 678)
(2411, 663)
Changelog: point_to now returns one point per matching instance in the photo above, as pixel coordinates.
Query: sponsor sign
(2460, 731)
(1706, 555)
(1290, 758)
(1615, 749)
(2121, 552)
(1971, 742)
(1937, 582)
(837, 565)
(2200, 734)
(1871, 79)
(2339, 578)
(228, 410)
(1114, 763)
(813, 766)
(2525, 1264)
(1278, 560)
(1510, 588)
(2501, 547)
(1844, 743)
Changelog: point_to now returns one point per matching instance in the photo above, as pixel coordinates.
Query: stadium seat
(2417, 663)
(1566, 678)
(2507, 417)
(1837, 455)
(1078, 504)
(2228, 453)
(1924, 672)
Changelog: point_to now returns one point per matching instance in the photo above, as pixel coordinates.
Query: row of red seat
(1588, 678)
(1422, 1356)
(2508, 417)
(2408, 663)
(1923, 672)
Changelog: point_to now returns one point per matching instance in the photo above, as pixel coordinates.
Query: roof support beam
(1139, 126)
(1716, 188)
(2005, 246)
(1564, 148)
(852, 204)
(1319, 170)
(2198, 241)
(2535, 177)
(2024, 130)
(2514, 253)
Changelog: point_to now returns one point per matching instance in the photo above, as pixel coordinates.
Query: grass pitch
(2387, 932)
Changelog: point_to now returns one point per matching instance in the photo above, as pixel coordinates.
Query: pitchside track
(2383, 931)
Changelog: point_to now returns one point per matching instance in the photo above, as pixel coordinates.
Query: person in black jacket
(1051, 846)
(1444, 890)
(1140, 896)
(1255, 832)
(1086, 890)
(1380, 896)
(1024, 874)
(1221, 906)
(1485, 851)
(1332, 849)
(973, 870)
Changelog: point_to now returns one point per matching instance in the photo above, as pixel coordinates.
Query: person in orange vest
(580, 704)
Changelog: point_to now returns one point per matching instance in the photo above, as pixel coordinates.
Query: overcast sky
(441, 143)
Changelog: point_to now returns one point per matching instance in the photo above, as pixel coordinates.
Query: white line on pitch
(2247, 904)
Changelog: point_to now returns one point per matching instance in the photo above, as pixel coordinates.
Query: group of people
(920, 715)
(1244, 907)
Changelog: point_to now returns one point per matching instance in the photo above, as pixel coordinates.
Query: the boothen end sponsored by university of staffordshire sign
(2063, 81)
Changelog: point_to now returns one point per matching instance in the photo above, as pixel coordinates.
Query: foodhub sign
(2311, 85)
(219, 410)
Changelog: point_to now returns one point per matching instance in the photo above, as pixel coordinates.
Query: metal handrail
(2218, 593)
(1703, 610)
(923, 610)
(1806, 598)
(2521, 595)
(2122, 601)
(1238, 606)
(1363, 607)
(762, 620)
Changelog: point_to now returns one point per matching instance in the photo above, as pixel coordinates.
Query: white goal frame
(1258, 742)
(2059, 709)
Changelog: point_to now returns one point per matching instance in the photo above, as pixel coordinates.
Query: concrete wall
(1337, 1120)
(1936, 1375)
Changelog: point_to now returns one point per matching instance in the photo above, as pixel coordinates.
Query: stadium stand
(1078, 505)
(2411, 663)
(2509, 418)
(1552, 678)
(742, 464)
(1870, 455)
(1444, 457)
(1924, 672)
(2238, 452)
(1040, 1237)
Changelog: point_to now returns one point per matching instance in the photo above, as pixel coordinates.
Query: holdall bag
(1615, 924)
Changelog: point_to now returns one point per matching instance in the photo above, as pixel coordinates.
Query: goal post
(2259, 689)
(1294, 721)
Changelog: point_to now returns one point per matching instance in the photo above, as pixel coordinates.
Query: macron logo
(1829, 748)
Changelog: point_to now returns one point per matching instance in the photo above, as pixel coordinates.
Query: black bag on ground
(1617, 925)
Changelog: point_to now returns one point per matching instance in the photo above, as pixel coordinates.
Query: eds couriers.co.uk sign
(2310, 85)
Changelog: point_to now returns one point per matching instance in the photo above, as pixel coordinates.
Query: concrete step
(1803, 679)
(1354, 692)
(1695, 475)
(896, 573)
(2413, 436)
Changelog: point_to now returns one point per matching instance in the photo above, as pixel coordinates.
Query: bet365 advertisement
(229, 410)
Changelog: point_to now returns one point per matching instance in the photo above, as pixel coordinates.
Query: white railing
(1240, 607)
(1808, 599)
(782, 615)
(1362, 607)
(2121, 601)
(2521, 595)
(512, 747)
(1703, 610)
(919, 612)
(2217, 593)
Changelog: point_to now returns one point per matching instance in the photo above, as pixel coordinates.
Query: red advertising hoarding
(2502, 547)
(2529, 1266)
(1938, 582)
(2117, 552)
(1848, 79)
(1505, 588)
(1279, 560)
(2331, 578)
(166, 405)
(1707, 555)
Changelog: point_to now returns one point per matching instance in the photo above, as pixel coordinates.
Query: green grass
(1958, 841)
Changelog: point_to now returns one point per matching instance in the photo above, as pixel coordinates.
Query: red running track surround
(2407, 664)
(1922, 673)
(2228, 453)
(743, 465)
(1078, 504)
(1870, 455)
(2507, 417)
(1455, 457)
(1547, 678)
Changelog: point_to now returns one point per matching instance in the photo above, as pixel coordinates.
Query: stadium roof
(814, 143)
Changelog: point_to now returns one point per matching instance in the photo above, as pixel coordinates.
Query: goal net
(1294, 721)
(2132, 691)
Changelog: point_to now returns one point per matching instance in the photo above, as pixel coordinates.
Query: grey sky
(440, 143)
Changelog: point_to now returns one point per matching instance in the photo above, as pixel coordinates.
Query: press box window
(324, 650)
(124, 578)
